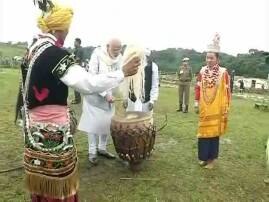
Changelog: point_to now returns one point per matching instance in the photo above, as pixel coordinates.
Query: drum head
(131, 117)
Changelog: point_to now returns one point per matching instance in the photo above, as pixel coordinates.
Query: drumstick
(141, 179)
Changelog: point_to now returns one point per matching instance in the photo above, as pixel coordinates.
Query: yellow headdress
(54, 17)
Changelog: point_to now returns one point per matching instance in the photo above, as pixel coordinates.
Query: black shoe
(106, 154)
(186, 109)
(93, 159)
(180, 108)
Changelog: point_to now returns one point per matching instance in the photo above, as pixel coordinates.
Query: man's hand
(131, 67)
(125, 104)
(109, 98)
(150, 106)
(196, 107)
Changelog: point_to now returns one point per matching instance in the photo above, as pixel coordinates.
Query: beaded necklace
(210, 80)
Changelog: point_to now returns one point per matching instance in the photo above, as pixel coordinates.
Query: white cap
(185, 59)
(35, 36)
(147, 52)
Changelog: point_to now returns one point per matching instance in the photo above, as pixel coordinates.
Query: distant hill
(253, 64)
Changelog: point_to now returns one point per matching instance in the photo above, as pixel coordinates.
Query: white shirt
(101, 63)
(154, 93)
(96, 111)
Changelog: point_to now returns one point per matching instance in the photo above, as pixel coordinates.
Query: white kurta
(95, 118)
(154, 93)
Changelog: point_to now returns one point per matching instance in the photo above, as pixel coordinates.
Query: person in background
(151, 91)
(185, 77)
(80, 60)
(241, 86)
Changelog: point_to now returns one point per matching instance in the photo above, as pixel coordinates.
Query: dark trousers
(208, 148)
(77, 96)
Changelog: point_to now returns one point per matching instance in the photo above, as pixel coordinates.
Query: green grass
(173, 167)
(10, 51)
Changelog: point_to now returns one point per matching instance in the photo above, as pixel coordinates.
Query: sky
(155, 24)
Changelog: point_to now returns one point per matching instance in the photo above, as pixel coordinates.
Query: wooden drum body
(133, 136)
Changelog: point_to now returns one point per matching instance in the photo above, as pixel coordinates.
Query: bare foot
(202, 163)
(209, 165)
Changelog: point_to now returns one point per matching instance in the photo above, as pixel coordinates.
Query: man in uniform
(185, 77)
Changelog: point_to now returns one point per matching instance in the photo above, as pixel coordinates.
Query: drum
(133, 136)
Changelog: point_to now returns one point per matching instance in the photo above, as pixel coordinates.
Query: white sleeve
(94, 63)
(154, 93)
(77, 78)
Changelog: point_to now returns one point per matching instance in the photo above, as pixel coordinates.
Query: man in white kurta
(98, 108)
(151, 85)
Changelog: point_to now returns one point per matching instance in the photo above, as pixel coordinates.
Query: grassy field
(172, 171)
(10, 51)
